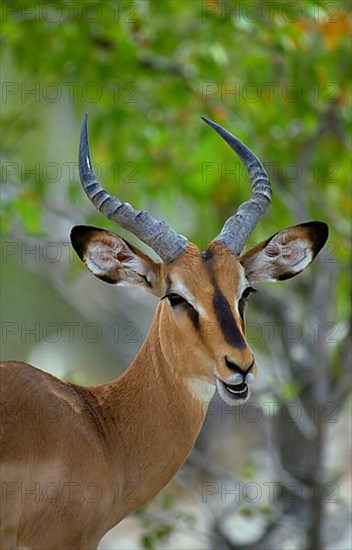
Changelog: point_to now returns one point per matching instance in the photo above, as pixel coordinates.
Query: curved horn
(238, 227)
(156, 234)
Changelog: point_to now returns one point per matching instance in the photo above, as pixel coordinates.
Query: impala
(66, 481)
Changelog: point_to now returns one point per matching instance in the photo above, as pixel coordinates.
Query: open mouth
(233, 394)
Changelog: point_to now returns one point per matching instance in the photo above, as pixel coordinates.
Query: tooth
(236, 392)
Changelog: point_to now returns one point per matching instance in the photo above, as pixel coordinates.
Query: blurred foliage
(145, 71)
(276, 74)
(157, 529)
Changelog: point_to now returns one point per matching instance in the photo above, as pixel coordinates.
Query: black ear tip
(74, 232)
(78, 236)
(323, 231)
(319, 234)
(78, 243)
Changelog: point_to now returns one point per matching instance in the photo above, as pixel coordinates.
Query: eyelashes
(176, 299)
(242, 302)
(247, 291)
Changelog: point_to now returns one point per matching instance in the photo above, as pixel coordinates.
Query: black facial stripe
(241, 307)
(227, 321)
(193, 315)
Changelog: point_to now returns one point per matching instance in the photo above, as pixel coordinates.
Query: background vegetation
(277, 75)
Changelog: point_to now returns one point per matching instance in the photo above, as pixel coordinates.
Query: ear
(114, 261)
(286, 253)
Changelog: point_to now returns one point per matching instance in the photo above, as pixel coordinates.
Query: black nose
(236, 368)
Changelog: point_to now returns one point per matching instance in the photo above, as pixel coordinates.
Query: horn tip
(84, 123)
(84, 162)
(208, 121)
(84, 135)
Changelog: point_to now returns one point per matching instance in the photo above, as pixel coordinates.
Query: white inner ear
(135, 264)
(295, 254)
(281, 256)
(101, 258)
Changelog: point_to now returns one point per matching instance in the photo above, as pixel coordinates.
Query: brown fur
(75, 460)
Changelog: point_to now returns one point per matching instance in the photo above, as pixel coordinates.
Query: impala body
(76, 460)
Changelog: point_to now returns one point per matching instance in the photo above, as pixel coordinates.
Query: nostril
(242, 374)
(238, 378)
(233, 366)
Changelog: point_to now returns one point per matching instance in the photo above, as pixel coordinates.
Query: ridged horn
(156, 234)
(238, 227)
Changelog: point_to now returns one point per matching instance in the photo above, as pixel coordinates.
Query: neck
(154, 415)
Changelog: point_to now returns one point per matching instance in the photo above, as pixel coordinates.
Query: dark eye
(247, 292)
(175, 299)
(243, 300)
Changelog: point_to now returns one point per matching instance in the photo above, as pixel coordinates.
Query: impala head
(203, 295)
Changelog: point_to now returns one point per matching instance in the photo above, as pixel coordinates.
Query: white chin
(231, 396)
